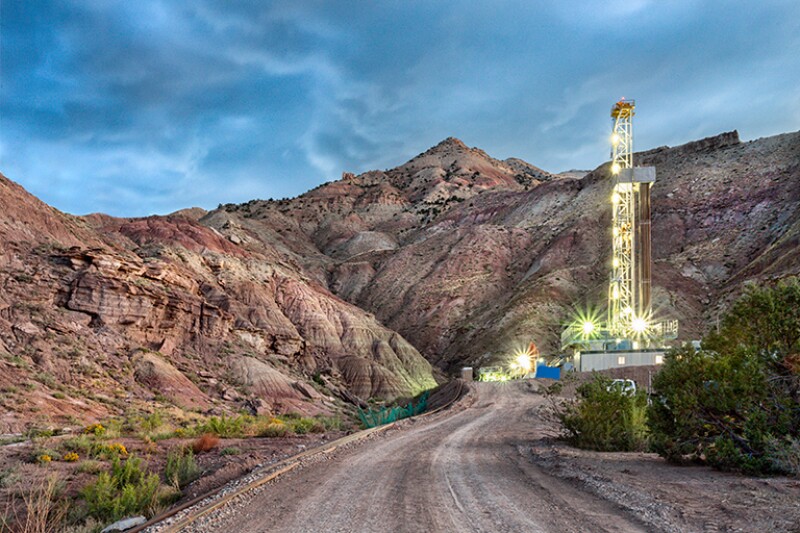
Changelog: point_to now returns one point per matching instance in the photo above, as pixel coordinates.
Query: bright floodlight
(639, 325)
(524, 362)
(615, 168)
(614, 139)
(588, 327)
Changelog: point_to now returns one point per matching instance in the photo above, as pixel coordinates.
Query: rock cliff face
(99, 314)
(455, 255)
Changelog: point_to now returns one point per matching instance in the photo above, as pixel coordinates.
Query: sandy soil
(492, 466)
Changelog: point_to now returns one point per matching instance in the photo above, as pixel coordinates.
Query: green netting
(385, 415)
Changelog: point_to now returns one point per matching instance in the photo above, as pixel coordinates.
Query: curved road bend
(457, 473)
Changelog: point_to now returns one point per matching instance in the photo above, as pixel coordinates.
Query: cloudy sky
(148, 106)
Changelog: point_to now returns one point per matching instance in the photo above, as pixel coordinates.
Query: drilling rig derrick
(630, 335)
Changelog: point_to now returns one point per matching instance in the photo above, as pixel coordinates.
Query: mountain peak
(453, 141)
(448, 145)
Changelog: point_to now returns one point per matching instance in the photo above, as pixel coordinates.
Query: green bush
(303, 425)
(230, 450)
(274, 429)
(152, 421)
(82, 444)
(735, 404)
(226, 426)
(330, 423)
(127, 490)
(605, 418)
(181, 468)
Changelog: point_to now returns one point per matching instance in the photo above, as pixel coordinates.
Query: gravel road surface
(491, 467)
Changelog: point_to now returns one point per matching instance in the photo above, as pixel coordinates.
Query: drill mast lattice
(629, 287)
(630, 324)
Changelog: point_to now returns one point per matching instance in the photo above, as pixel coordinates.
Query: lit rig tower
(629, 313)
(630, 336)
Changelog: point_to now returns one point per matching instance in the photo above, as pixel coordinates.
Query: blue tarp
(552, 372)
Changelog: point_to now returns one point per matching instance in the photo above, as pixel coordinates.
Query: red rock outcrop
(160, 308)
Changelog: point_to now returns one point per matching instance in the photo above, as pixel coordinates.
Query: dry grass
(43, 510)
(206, 442)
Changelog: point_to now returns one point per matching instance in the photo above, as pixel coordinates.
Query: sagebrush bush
(81, 444)
(605, 418)
(303, 425)
(230, 450)
(90, 466)
(330, 423)
(127, 490)
(181, 468)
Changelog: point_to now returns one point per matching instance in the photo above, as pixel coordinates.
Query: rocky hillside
(290, 304)
(100, 315)
(470, 257)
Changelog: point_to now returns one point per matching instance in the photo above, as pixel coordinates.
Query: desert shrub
(70, 457)
(44, 459)
(226, 426)
(108, 450)
(735, 404)
(784, 455)
(127, 490)
(206, 442)
(330, 423)
(9, 477)
(151, 421)
(230, 450)
(274, 429)
(81, 444)
(90, 466)
(94, 429)
(301, 426)
(181, 468)
(40, 433)
(166, 497)
(605, 418)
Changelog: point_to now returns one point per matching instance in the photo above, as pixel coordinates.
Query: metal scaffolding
(622, 298)
(630, 324)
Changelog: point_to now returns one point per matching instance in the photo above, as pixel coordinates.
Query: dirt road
(491, 467)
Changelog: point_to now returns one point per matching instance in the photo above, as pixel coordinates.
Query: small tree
(128, 489)
(734, 404)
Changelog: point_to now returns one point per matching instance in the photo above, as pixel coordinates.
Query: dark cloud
(150, 106)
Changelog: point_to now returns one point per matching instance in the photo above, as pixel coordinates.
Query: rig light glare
(523, 361)
(639, 325)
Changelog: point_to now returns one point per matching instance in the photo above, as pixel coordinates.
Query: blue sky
(135, 108)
